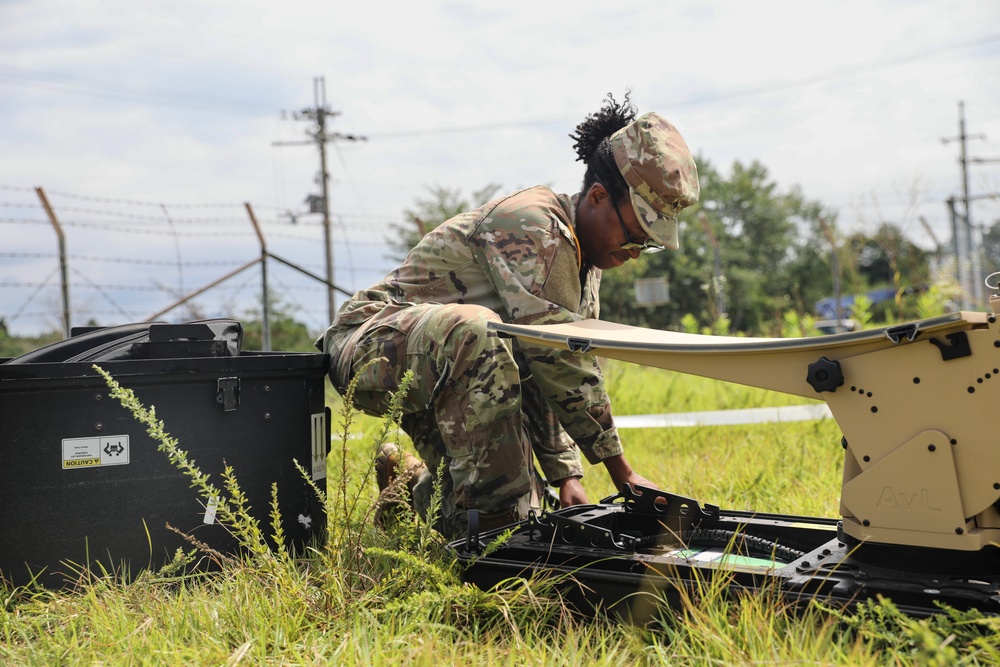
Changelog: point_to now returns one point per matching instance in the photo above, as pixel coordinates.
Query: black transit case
(84, 489)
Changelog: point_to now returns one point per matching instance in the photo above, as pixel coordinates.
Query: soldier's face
(600, 230)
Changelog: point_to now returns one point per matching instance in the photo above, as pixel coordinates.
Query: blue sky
(181, 103)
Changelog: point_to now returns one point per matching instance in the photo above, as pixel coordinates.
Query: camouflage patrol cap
(660, 171)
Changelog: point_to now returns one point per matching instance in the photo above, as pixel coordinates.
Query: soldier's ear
(596, 194)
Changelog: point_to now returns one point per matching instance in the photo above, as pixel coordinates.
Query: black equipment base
(632, 554)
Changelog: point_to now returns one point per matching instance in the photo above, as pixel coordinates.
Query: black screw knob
(825, 375)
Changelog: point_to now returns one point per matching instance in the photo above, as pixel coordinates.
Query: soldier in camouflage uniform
(486, 405)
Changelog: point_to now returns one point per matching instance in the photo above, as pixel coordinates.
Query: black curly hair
(594, 150)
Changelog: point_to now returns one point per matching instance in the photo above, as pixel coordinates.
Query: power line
(186, 99)
(843, 72)
(760, 89)
(135, 202)
(12, 76)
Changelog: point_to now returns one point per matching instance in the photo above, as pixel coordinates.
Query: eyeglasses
(649, 246)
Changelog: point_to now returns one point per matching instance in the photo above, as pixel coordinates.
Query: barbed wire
(123, 288)
(157, 288)
(109, 293)
(5, 204)
(245, 229)
(29, 315)
(121, 260)
(24, 221)
(130, 217)
(136, 315)
(234, 233)
(138, 202)
(354, 224)
(148, 218)
(293, 237)
(101, 289)
(157, 232)
(235, 224)
(32, 296)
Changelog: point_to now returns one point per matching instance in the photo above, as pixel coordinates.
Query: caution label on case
(111, 450)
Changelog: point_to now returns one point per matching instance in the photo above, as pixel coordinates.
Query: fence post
(265, 326)
(63, 266)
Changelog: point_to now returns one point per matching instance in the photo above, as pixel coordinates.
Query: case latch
(227, 393)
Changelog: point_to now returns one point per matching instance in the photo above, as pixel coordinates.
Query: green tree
(772, 254)
(15, 346)
(429, 212)
(888, 258)
(287, 333)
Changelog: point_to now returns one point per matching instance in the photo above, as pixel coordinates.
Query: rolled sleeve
(560, 465)
(606, 445)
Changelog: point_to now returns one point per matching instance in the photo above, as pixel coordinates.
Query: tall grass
(371, 597)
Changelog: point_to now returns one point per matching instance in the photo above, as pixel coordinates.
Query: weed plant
(368, 596)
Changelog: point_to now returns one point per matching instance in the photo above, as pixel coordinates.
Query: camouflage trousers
(467, 407)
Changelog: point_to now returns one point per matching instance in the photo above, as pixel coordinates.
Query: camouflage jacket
(519, 257)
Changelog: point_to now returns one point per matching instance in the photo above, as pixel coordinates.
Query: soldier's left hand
(571, 493)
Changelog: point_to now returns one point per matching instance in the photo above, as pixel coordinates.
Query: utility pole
(965, 240)
(318, 114)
